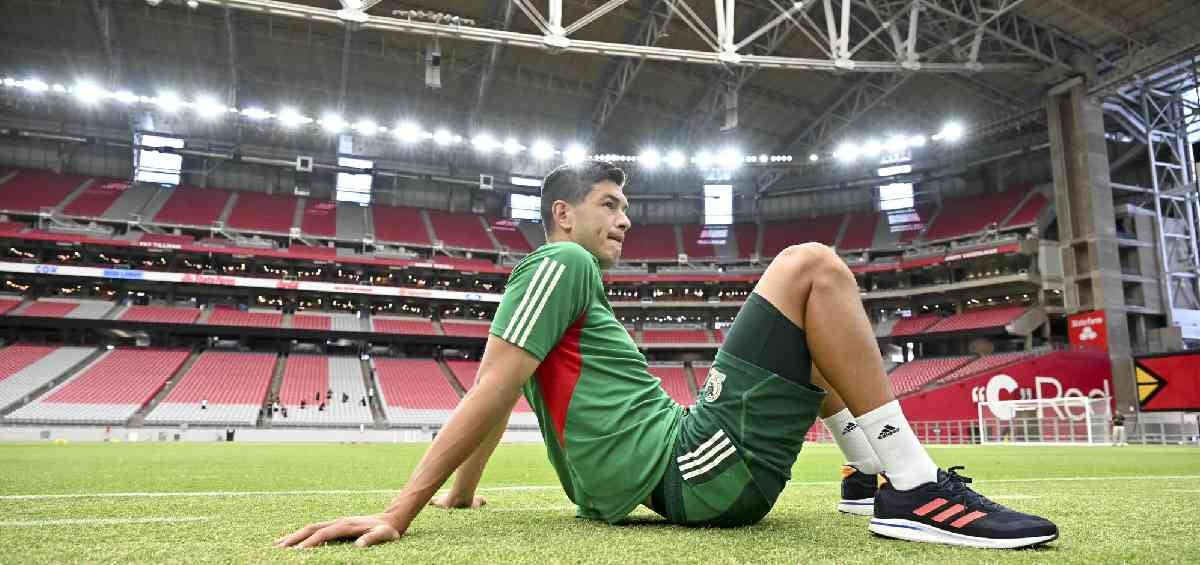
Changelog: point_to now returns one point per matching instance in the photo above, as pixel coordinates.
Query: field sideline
(226, 503)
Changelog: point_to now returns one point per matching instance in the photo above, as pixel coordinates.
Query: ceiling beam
(102, 19)
(487, 73)
(602, 48)
(653, 28)
(231, 58)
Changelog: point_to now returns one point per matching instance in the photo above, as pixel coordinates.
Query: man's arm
(466, 478)
(504, 368)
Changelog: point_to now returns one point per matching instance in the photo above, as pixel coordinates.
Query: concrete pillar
(1086, 222)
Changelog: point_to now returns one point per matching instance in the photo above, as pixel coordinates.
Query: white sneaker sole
(864, 507)
(899, 528)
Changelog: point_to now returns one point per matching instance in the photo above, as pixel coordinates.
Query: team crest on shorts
(712, 386)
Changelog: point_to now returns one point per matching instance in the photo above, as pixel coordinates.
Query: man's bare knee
(814, 263)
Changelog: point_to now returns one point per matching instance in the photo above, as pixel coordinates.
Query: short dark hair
(572, 183)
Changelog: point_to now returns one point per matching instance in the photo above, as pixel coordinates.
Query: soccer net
(1076, 419)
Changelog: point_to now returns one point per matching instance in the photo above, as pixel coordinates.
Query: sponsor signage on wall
(1055, 375)
(1088, 330)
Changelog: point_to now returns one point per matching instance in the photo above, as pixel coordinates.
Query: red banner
(1168, 382)
(1088, 330)
(1058, 374)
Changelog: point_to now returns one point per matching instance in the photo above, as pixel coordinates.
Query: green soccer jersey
(607, 424)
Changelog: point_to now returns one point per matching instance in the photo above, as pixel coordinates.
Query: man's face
(599, 223)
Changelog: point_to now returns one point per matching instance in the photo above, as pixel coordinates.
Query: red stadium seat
(465, 371)
(913, 375)
(414, 384)
(399, 225)
(860, 231)
(319, 218)
(779, 234)
(1029, 212)
(41, 309)
(193, 206)
(312, 322)
(96, 198)
(255, 211)
(456, 229)
(979, 318)
(228, 316)
(30, 191)
(14, 358)
(161, 314)
(747, 239)
(466, 329)
(659, 335)
(914, 325)
(650, 242)
(509, 235)
(123, 376)
(404, 326)
(7, 304)
(966, 216)
(674, 381)
(225, 377)
(304, 378)
(986, 363)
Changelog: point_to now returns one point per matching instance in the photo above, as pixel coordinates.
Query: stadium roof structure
(765, 76)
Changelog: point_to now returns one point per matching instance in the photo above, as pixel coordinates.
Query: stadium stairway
(139, 417)
(451, 378)
(73, 195)
(374, 398)
(264, 419)
(131, 201)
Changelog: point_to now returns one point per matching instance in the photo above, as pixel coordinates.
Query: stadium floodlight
(541, 150)
(443, 137)
(408, 132)
(207, 107)
(332, 123)
(256, 113)
(951, 132)
(916, 141)
(871, 148)
(484, 142)
(763, 158)
(846, 153)
(87, 92)
(512, 146)
(814, 157)
(729, 159)
(703, 159)
(125, 97)
(649, 159)
(169, 102)
(58, 87)
(676, 159)
(366, 127)
(35, 85)
(896, 144)
(289, 117)
(574, 153)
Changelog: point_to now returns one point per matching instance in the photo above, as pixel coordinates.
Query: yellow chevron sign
(1147, 383)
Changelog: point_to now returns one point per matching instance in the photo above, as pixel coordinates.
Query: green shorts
(736, 447)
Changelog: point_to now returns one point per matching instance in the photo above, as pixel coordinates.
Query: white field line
(99, 521)
(515, 488)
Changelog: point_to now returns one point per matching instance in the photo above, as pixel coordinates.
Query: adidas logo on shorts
(888, 430)
(850, 426)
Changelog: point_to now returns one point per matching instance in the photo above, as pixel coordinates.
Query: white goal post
(1065, 420)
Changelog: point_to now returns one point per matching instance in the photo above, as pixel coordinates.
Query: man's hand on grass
(364, 530)
(447, 500)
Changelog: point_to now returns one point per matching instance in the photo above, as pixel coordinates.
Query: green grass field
(228, 502)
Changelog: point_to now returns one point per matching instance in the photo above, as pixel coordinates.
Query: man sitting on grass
(800, 346)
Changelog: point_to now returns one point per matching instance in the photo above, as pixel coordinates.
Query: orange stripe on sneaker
(930, 506)
(944, 514)
(968, 519)
(847, 471)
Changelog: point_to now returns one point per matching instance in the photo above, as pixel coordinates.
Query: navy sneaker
(948, 511)
(858, 491)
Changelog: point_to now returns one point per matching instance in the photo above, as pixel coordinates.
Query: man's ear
(563, 214)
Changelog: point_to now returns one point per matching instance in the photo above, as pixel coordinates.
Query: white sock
(904, 460)
(853, 442)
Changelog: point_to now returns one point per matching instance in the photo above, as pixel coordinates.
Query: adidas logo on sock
(888, 430)
(850, 426)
